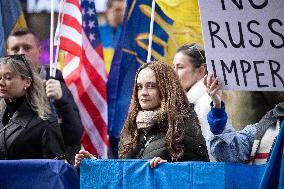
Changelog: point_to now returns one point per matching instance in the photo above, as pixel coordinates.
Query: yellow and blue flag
(11, 16)
(176, 22)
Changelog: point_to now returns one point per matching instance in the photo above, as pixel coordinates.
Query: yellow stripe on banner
(129, 51)
(21, 22)
(131, 9)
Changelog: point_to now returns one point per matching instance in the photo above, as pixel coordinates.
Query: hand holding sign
(213, 89)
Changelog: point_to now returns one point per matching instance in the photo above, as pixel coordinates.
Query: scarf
(146, 119)
(268, 123)
(269, 119)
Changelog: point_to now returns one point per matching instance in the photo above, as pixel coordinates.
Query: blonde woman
(27, 130)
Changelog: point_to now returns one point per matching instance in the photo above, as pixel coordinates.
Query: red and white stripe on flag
(84, 71)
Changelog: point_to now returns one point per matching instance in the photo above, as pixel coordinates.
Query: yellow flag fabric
(186, 27)
(183, 11)
(21, 22)
(108, 55)
(11, 17)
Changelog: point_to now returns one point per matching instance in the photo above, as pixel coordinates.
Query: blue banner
(37, 174)
(138, 174)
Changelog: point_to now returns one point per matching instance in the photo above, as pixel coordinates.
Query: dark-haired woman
(190, 66)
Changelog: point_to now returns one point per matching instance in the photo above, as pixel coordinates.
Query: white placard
(244, 42)
(36, 6)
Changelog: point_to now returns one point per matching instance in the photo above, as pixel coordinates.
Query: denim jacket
(227, 144)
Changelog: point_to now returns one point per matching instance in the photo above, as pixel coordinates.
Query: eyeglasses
(22, 58)
(196, 47)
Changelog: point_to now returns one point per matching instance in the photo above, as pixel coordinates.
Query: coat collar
(20, 117)
(196, 91)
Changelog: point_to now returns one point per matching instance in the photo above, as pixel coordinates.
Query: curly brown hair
(174, 116)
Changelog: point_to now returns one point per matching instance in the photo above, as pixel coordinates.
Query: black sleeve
(194, 145)
(133, 154)
(68, 112)
(58, 75)
(52, 140)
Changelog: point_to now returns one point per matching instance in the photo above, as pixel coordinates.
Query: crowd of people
(175, 114)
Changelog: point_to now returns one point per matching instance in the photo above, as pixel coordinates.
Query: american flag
(84, 71)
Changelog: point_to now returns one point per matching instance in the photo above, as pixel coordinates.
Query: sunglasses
(22, 58)
(194, 46)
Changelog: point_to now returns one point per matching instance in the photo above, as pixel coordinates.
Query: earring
(25, 88)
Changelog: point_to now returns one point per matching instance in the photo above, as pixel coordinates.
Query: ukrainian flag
(11, 16)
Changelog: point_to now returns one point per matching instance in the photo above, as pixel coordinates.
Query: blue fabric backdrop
(138, 174)
(37, 174)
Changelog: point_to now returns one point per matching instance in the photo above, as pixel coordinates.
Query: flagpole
(151, 32)
(57, 31)
(52, 66)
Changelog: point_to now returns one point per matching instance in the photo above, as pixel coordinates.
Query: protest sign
(244, 43)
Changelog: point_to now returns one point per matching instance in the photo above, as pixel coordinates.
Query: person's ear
(39, 49)
(202, 70)
(28, 82)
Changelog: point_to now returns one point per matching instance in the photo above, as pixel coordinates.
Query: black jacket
(26, 136)
(68, 113)
(153, 145)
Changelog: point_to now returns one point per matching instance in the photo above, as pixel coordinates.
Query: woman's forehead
(146, 75)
